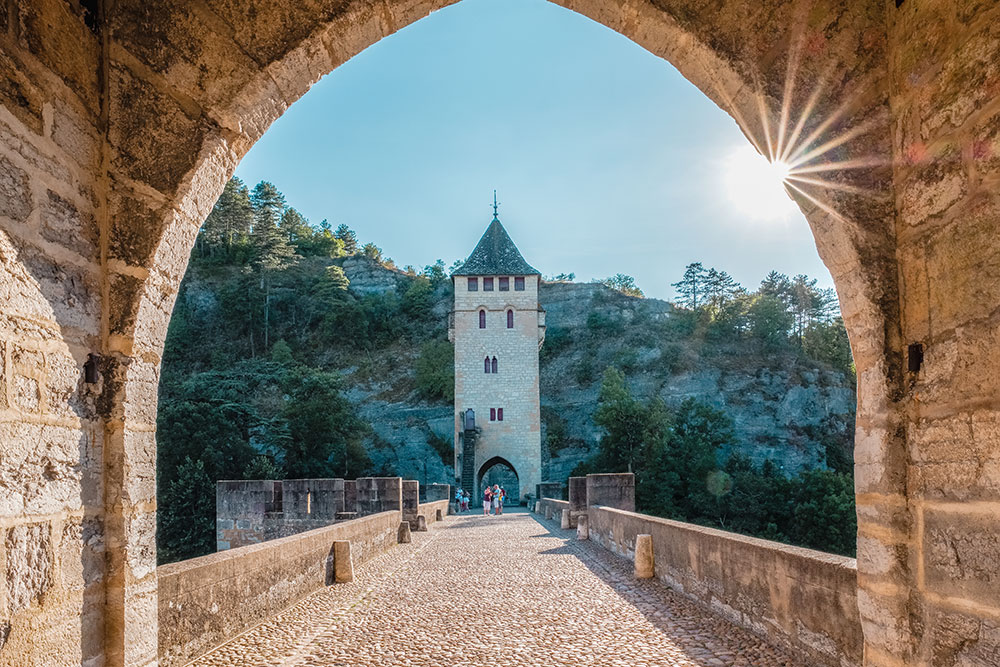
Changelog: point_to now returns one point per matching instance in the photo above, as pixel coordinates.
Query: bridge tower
(498, 328)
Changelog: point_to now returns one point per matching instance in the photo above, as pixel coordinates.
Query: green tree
(699, 431)
(719, 288)
(434, 370)
(262, 467)
(326, 434)
(282, 353)
(337, 278)
(346, 235)
(624, 284)
(435, 272)
(230, 220)
(770, 321)
(691, 287)
(372, 252)
(187, 530)
(268, 204)
(271, 253)
(828, 342)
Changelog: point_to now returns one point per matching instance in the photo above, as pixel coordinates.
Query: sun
(756, 186)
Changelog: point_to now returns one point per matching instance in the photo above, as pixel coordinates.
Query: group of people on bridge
(493, 498)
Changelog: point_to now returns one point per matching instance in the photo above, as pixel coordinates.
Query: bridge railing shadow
(699, 633)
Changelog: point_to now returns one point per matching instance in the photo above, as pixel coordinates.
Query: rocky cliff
(785, 407)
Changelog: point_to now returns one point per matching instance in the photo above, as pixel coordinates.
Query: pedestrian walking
(487, 500)
(465, 501)
(495, 492)
(458, 500)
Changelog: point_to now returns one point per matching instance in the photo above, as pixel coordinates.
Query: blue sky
(604, 157)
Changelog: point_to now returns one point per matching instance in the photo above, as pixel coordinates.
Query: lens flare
(756, 186)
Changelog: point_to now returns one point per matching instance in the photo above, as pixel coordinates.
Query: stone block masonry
(615, 490)
(803, 599)
(253, 511)
(121, 122)
(379, 494)
(205, 601)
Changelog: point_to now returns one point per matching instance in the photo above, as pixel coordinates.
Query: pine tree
(691, 287)
(348, 238)
(268, 204)
(719, 288)
(271, 253)
(230, 220)
(295, 227)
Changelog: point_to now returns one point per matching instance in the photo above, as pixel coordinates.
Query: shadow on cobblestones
(508, 591)
(703, 636)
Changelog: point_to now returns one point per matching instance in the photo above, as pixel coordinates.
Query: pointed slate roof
(496, 255)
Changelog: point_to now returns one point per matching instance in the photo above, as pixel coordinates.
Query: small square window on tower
(504, 284)
(499, 414)
(487, 284)
(519, 284)
(473, 284)
(493, 414)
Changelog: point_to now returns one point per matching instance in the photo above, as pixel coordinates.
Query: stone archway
(121, 121)
(510, 481)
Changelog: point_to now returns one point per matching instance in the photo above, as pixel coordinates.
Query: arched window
(494, 365)
(499, 414)
(482, 319)
(510, 319)
(486, 365)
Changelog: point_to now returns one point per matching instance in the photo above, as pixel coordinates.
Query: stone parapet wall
(205, 601)
(803, 599)
(429, 510)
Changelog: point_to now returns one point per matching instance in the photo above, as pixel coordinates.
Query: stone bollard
(403, 536)
(582, 527)
(643, 556)
(421, 523)
(564, 523)
(538, 507)
(343, 563)
(548, 512)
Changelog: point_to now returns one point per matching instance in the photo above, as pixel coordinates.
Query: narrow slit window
(504, 284)
(309, 502)
(510, 319)
(493, 365)
(519, 284)
(493, 414)
(486, 365)
(487, 284)
(482, 319)
(499, 414)
(473, 284)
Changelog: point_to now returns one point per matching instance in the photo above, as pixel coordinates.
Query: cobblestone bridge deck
(496, 591)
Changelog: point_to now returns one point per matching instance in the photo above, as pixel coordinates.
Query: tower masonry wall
(514, 387)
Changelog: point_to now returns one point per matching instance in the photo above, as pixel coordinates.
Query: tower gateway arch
(498, 328)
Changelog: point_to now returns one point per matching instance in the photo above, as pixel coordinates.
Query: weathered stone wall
(517, 439)
(206, 600)
(241, 511)
(378, 494)
(803, 599)
(253, 511)
(55, 536)
(118, 131)
(430, 510)
(929, 493)
(615, 490)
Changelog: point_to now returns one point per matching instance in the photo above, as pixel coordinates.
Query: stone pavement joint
(497, 591)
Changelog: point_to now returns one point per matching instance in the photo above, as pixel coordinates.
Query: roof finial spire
(495, 217)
